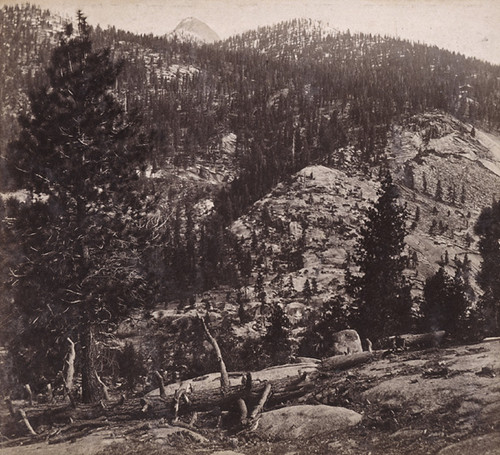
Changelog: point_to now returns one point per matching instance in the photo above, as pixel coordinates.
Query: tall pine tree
(488, 229)
(80, 156)
(378, 286)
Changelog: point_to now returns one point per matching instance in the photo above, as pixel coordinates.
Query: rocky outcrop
(346, 342)
(305, 421)
(488, 444)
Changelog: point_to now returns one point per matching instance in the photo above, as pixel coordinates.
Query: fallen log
(344, 362)
(420, 340)
(287, 382)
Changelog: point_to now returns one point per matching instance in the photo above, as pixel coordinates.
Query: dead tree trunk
(24, 418)
(343, 362)
(91, 389)
(50, 393)
(224, 377)
(10, 407)
(70, 366)
(161, 383)
(104, 388)
(29, 392)
(260, 405)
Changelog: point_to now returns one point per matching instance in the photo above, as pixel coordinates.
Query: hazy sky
(471, 27)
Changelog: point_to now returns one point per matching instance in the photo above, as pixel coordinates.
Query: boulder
(305, 421)
(346, 342)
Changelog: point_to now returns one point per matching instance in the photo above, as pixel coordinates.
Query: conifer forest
(285, 241)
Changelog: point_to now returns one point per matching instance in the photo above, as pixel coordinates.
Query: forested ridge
(221, 126)
(288, 92)
(291, 94)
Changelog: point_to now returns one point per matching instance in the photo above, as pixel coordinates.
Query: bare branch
(224, 377)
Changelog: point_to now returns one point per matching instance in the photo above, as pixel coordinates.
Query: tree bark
(161, 383)
(70, 371)
(91, 388)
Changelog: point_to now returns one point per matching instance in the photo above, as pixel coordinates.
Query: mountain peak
(192, 28)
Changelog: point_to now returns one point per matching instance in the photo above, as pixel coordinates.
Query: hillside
(320, 209)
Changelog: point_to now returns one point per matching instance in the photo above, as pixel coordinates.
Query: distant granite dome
(194, 29)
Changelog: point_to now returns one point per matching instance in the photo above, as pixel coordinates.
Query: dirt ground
(433, 401)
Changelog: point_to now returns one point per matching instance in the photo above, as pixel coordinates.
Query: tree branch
(224, 377)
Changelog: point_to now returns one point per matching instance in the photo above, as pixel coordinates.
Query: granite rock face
(305, 421)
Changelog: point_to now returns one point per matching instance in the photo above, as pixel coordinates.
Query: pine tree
(424, 183)
(314, 286)
(276, 343)
(307, 291)
(488, 229)
(81, 242)
(379, 288)
(439, 191)
(318, 341)
(445, 303)
(259, 291)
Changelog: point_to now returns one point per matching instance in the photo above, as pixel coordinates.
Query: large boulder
(305, 421)
(346, 342)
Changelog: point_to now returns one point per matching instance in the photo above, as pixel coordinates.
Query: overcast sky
(471, 27)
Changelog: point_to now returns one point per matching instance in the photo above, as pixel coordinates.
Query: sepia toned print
(250, 227)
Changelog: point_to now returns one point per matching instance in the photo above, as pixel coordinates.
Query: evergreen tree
(488, 229)
(318, 341)
(379, 288)
(445, 303)
(439, 191)
(80, 239)
(307, 291)
(276, 343)
(424, 183)
(259, 291)
(314, 286)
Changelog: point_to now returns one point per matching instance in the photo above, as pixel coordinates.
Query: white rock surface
(306, 421)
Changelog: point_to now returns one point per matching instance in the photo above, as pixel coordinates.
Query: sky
(471, 27)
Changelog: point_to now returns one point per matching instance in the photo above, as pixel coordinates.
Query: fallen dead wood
(29, 393)
(260, 405)
(224, 378)
(246, 397)
(283, 389)
(421, 340)
(10, 407)
(161, 383)
(344, 362)
(27, 422)
(287, 382)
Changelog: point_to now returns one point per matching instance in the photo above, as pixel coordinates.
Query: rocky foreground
(439, 401)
